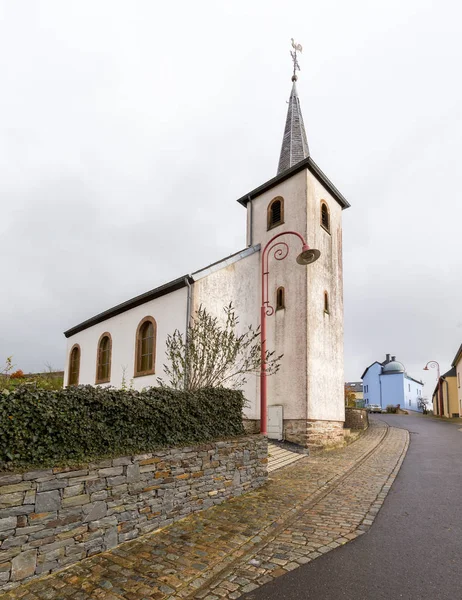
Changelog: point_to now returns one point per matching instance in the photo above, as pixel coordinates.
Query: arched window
(325, 217)
(280, 298)
(103, 362)
(74, 366)
(145, 359)
(276, 212)
(326, 302)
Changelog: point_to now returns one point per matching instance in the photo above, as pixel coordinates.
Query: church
(304, 304)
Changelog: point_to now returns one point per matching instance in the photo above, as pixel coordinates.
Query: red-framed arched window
(145, 349)
(74, 366)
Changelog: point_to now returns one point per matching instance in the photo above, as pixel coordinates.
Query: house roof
(294, 143)
(356, 385)
(412, 379)
(162, 290)
(307, 163)
(457, 357)
(376, 362)
(390, 372)
(394, 366)
(224, 262)
(451, 373)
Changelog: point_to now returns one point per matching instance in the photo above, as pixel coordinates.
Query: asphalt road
(414, 548)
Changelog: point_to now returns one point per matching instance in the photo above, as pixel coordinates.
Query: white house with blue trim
(387, 383)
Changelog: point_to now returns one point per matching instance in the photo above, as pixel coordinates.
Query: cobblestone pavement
(304, 511)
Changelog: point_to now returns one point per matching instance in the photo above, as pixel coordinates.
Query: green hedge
(45, 428)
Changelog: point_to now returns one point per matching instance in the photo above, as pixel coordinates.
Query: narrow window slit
(280, 298)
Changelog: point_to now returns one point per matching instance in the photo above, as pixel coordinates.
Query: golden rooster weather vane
(296, 48)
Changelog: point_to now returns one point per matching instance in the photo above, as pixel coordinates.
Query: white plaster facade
(310, 382)
(169, 312)
(234, 283)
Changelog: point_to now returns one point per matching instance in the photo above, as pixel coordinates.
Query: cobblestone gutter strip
(241, 543)
(377, 505)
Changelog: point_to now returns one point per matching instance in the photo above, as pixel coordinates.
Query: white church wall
(325, 371)
(169, 311)
(286, 329)
(239, 283)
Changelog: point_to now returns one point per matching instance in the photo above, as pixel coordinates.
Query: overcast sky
(128, 130)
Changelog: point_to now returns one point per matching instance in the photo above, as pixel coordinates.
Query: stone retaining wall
(356, 418)
(52, 518)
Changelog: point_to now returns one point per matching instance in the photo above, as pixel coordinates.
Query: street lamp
(433, 364)
(281, 250)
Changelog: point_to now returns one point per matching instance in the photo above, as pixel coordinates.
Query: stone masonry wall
(356, 418)
(52, 518)
(251, 425)
(322, 434)
(313, 434)
(295, 431)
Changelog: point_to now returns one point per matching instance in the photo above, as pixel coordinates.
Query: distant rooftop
(355, 385)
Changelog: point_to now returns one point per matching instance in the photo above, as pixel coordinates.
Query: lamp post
(281, 250)
(433, 364)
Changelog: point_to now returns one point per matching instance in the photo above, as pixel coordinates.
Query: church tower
(307, 323)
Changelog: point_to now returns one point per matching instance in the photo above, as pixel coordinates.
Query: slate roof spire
(294, 143)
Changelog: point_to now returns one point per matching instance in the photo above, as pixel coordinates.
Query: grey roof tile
(294, 143)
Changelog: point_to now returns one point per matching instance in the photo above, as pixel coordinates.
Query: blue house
(387, 382)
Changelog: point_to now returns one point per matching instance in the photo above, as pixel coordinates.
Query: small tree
(350, 396)
(215, 354)
(423, 405)
(5, 372)
(8, 367)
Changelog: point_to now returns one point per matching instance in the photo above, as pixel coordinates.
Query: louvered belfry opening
(276, 212)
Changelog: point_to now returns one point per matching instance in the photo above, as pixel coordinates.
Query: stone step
(280, 457)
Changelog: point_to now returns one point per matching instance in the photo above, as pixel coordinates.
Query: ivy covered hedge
(48, 428)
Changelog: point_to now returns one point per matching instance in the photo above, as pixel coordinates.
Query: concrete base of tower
(314, 434)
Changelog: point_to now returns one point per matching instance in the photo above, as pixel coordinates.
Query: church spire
(294, 143)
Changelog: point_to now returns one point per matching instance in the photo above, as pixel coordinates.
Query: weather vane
(293, 54)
